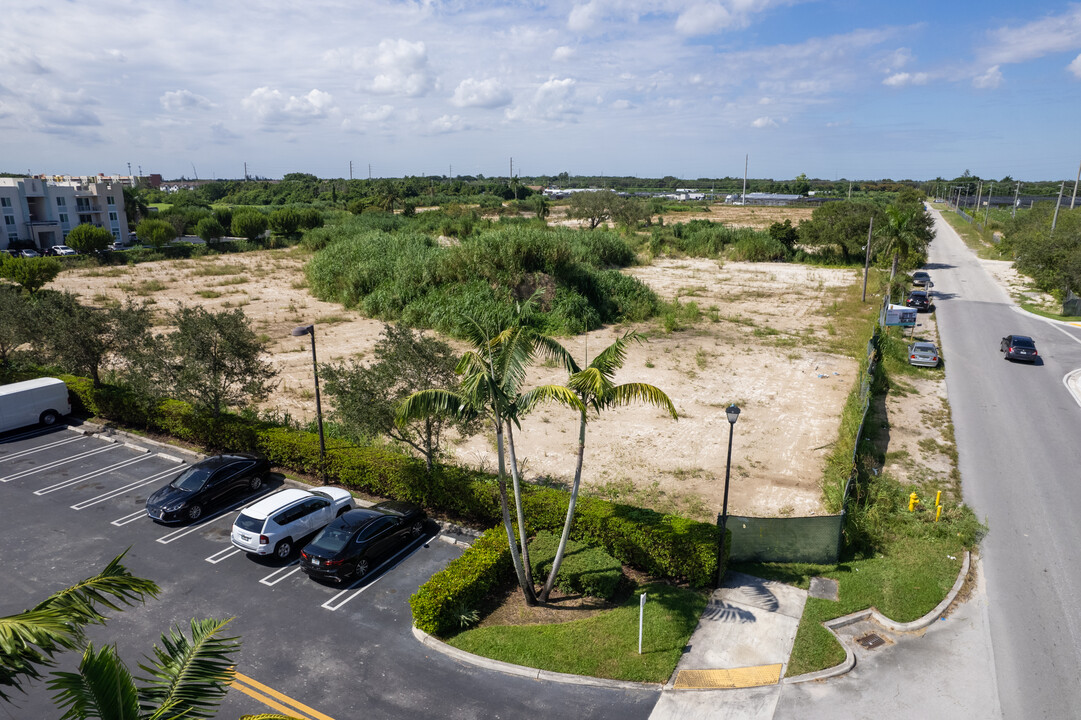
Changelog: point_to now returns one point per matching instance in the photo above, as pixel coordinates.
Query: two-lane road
(1018, 434)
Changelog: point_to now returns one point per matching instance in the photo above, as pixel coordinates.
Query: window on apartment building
(64, 218)
(109, 199)
(9, 219)
(86, 219)
(5, 202)
(60, 202)
(113, 217)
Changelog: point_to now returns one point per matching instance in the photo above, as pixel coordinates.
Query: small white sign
(900, 315)
(641, 614)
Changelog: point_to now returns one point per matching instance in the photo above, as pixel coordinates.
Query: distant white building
(39, 212)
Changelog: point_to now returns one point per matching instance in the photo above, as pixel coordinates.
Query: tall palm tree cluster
(492, 375)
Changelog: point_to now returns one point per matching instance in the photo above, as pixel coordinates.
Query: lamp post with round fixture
(310, 330)
(733, 414)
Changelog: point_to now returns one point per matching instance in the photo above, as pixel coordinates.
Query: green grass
(972, 237)
(671, 615)
(218, 269)
(904, 584)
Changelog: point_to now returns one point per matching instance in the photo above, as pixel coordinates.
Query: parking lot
(70, 501)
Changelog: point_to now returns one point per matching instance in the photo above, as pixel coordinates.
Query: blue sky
(835, 88)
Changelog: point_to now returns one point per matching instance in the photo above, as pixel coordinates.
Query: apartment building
(37, 212)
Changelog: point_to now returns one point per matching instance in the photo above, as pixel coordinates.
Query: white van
(41, 401)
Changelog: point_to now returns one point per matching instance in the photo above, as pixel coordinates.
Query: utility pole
(1071, 206)
(369, 171)
(511, 169)
(1054, 220)
(867, 259)
(1072, 199)
(1016, 191)
(849, 189)
(245, 171)
(988, 213)
(350, 169)
(746, 160)
(979, 194)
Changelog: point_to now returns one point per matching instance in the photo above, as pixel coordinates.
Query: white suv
(276, 523)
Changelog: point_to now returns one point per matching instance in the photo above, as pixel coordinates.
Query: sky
(855, 89)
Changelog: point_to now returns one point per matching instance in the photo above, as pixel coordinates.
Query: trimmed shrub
(443, 604)
(585, 569)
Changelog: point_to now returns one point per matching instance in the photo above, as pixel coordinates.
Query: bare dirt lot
(763, 341)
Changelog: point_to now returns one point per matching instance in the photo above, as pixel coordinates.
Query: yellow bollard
(938, 499)
(938, 513)
(913, 501)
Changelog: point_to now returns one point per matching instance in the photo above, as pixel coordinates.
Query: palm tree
(135, 207)
(187, 678)
(901, 233)
(30, 640)
(492, 375)
(596, 390)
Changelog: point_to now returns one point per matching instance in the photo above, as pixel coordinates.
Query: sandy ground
(764, 346)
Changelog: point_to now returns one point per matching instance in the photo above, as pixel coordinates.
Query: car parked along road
(206, 484)
(276, 524)
(349, 546)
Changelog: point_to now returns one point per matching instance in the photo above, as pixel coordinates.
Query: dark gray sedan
(1019, 347)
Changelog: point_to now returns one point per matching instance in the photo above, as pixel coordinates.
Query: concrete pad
(747, 622)
(749, 704)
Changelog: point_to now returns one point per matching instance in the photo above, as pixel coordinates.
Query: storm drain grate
(870, 641)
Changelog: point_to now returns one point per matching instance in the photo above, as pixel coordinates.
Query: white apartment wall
(42, 212)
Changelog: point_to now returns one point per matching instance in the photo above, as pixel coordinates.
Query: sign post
(641, 614)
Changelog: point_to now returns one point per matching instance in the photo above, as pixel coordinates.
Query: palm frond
(612, 357)
(592, 384)
(471, 362)
(431, 402)
(28, 642)
(112, 587)
(190, 674)
(102, 688)
(513, 356)
(551, 349)
(560, 394)
(640, 392)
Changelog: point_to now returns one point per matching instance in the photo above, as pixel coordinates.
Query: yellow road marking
(295, 705)
(735, 678)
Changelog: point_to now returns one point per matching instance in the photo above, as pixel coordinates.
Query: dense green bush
(585, 569)
(446, 602)
(407, 276)
(699, 238)
(758, 248)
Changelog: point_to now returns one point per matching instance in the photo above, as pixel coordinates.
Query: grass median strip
(605, 645)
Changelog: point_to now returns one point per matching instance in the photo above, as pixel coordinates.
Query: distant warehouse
(761, 198)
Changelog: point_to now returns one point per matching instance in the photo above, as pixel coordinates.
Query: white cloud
(764, 122)
(989, 80)
(447, 124)
(367, 116)
(622, 105)
(562, 53)
(903, 78)
(704, 18)
(221, 134)
(1050, 34)
(1075, 67)
(177, 100)
(272, 107)
(585, 18)
(555, 99)
(400, 67)
(480, 93)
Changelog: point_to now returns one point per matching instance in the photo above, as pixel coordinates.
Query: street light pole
(733, 414)
(310, 330)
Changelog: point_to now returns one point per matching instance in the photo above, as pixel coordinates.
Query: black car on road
(350, 546)
(208, 483)
(1018, 347)
(919, 299)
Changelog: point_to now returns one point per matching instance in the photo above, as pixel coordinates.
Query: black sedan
(919, 299)
(351, 545)
(1018, 347)
(207, 483)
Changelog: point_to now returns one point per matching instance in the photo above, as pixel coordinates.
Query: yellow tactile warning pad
(734, 678)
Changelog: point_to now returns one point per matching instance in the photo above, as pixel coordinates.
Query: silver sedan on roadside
(924, 354)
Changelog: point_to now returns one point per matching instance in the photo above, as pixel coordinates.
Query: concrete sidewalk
(742, 643)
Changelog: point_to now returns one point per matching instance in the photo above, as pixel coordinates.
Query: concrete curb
(133, 441)
(528, 672)
(872, 613)
(1072, 381)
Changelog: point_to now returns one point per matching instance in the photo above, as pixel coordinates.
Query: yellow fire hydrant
(913, 501)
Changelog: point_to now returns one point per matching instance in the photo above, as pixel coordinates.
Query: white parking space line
(93, 474)
(58, 463)
(183, 532)
(123, 489)
(222, 555)
(284, 572)
(119, 522)
(31, 451)
(29, 434)
(353, 591)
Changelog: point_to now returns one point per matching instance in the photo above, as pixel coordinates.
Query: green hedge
(585, 569)
(663, 545)
(442, 604)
